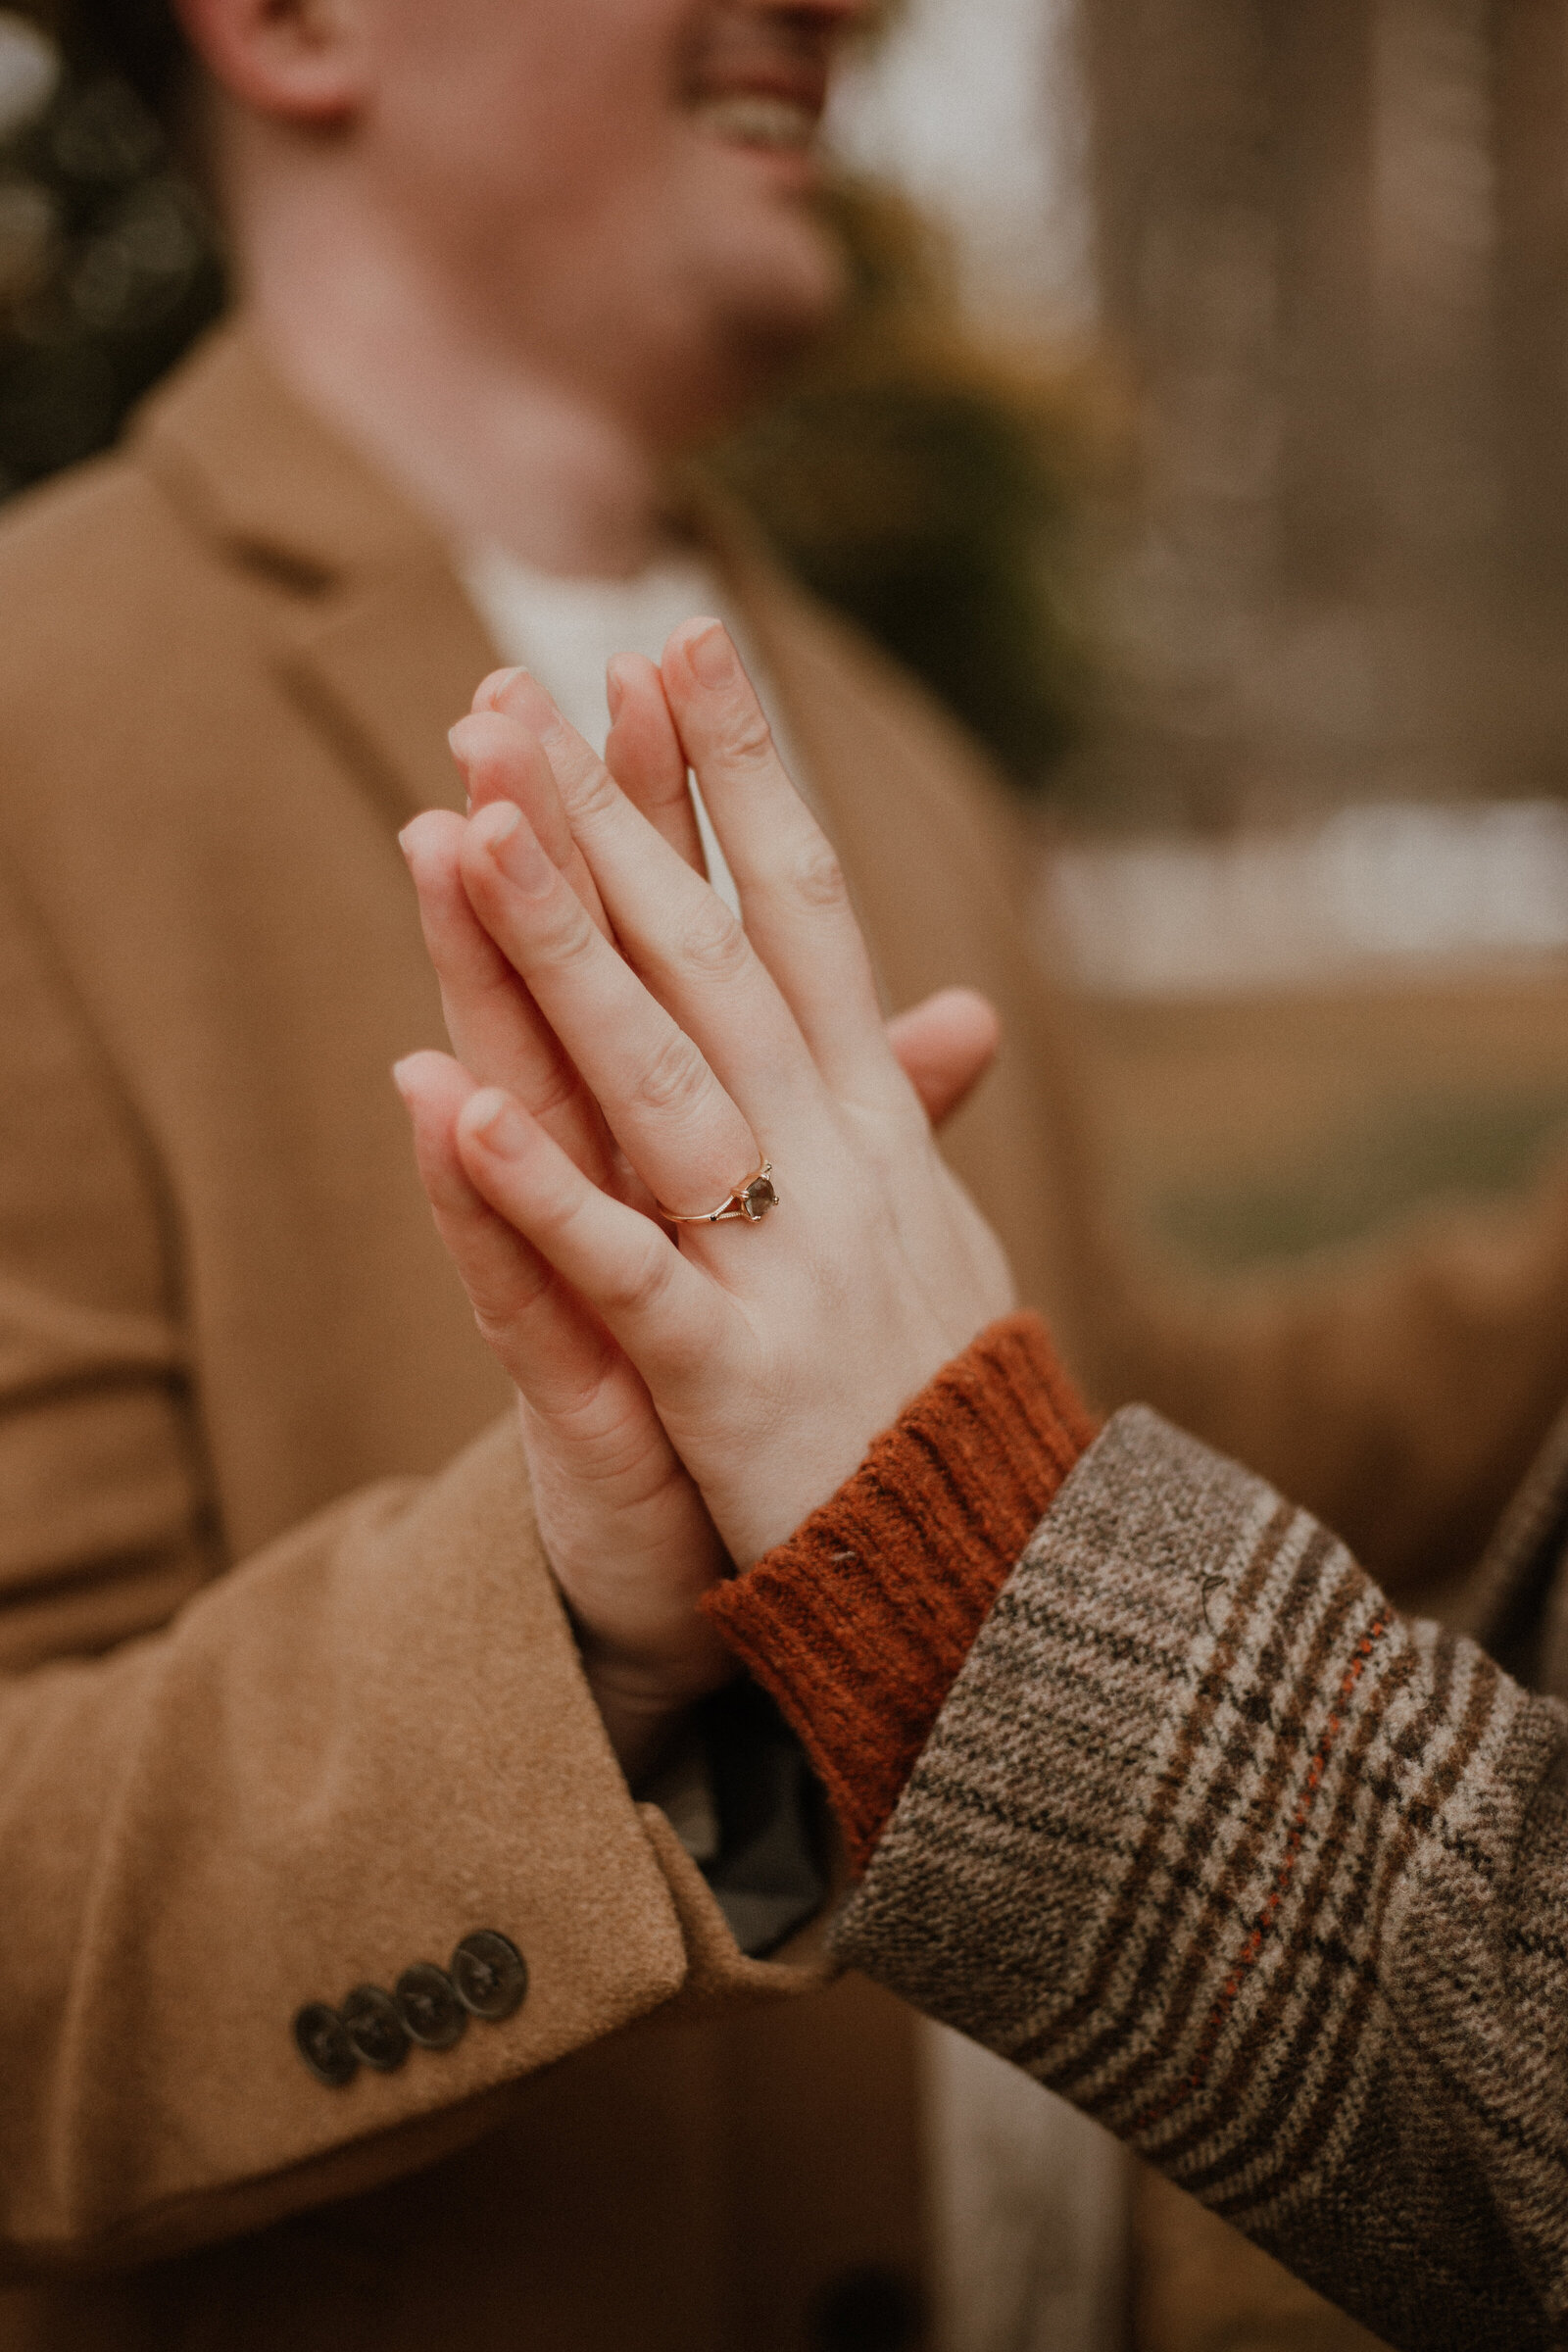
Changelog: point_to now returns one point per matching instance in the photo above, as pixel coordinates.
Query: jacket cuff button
(428, 2005)
(377, 2033)
(490, 1974)
(321, 2041)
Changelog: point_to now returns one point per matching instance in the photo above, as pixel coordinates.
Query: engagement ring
(752, 1198)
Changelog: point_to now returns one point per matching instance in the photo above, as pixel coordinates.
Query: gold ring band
(750, 1198)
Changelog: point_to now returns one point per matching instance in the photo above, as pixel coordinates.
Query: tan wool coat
(288, 1701)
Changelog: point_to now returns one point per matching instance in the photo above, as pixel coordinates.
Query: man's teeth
(752, 119)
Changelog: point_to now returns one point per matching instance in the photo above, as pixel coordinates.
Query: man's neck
(493, 452)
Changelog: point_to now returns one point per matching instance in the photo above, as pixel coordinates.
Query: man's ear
(302, 61)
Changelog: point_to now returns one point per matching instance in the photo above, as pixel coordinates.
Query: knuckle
(495, 1331)
(818, 877)
(747, 738)
(714, 943)
(499, 1314)
(566, 938)
(640, 1284)
(594, 794)
(551, 1088)
(582, 1408)
(674, 1080)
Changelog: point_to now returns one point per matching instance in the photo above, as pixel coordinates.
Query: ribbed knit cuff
(860, 1622)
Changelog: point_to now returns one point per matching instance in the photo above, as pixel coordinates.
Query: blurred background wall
(1332, 252)
(1291, 285)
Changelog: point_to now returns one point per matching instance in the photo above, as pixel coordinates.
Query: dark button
(428, 2005)
(490, 1973)
(376, 2031)
(322, 2042)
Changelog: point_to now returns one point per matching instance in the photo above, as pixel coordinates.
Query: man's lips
(758, 80)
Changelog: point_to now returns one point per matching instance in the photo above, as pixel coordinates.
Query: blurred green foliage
(930, 488)
(109, 268)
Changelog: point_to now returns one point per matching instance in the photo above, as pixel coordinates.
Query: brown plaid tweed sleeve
(1269, 1881)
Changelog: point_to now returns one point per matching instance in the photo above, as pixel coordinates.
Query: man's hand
(626, 1533)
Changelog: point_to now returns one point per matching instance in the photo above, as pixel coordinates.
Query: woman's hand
(627, 1535)
(773, 1352)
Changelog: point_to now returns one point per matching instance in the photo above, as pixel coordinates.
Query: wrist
(644, 1701)
(859, 1624)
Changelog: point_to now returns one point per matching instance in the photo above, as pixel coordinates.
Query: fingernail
(402, 1075)
(514, 848)
(711, 655)
(614, 691)
(403, 839)
(455, 737)
(491, 689)
(493, 1118)
(523, 698)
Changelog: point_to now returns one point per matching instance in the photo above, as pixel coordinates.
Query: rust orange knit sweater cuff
(860, 1622)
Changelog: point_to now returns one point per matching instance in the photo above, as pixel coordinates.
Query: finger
(793, 897)
(495, 1027)
(581, 778)
(677, 933)
(644, 756)
(501, 761)
(945, 1047)
(669, 1318)
(595, 1444)
(681, 1131)
(556, 1351)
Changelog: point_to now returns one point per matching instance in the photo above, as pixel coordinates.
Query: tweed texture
(1270, 1882)
(859, 1622)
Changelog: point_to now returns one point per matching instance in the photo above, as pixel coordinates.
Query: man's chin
(783, 291)
(746, 352)
(748, 307)
(760, 343)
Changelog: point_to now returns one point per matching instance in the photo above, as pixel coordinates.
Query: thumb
(945, 1047)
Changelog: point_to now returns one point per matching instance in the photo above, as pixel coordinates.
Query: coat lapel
(385, 672)
(375, 637)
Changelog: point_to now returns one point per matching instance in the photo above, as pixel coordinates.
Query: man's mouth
(759, 76)
(759, 118)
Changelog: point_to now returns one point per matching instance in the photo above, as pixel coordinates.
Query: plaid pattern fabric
(1270, 1882)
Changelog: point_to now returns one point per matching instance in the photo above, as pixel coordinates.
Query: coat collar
(254, 467)
(379, 643)
(376, 640)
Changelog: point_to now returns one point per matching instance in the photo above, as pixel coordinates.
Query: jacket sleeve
(225, 1796)
(1269, 1881)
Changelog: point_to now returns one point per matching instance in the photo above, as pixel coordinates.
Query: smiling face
(619, 189)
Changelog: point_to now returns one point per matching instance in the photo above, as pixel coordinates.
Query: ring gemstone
(759, 1196)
